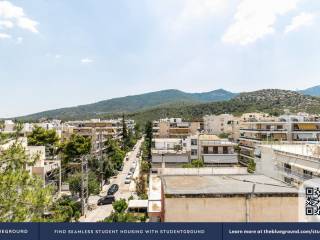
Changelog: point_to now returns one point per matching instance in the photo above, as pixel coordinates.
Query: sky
(64, 53)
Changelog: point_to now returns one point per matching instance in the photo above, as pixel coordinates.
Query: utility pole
(100, 159)
(84, 184)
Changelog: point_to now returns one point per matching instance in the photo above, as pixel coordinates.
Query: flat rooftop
(307, 150)
(219, 185)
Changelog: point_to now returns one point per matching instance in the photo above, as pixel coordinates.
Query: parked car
(113, 189)
(129, 174)
(121, 168)
(127, 158)
(106, 200)
(127, 181)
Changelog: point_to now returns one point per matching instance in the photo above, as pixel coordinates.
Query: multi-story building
(207, 147)
(170, 151)
(290, 163)
(43, 166)
(212, 149)
(285, 129)
(175, 128)
(218, 124)
(99, 131)
(227, 198)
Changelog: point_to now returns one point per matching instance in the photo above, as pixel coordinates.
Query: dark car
(120, 168)
(106, 200)
(113, 189)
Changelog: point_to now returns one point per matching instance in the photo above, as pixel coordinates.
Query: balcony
(263, 130)
(293, 173)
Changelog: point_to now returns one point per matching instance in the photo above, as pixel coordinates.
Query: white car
(129, 175)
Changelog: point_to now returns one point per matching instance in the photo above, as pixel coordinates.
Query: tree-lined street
(125, 190)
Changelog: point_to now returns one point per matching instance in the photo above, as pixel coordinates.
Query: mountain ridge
(132, 103)
(172, 97)
(312, 91)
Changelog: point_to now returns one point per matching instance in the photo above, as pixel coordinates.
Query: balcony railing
(293, 173)
(263, 130)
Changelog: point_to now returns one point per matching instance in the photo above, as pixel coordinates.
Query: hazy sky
(58, 53)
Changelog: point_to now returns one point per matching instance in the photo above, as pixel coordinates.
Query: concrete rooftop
(224, 185)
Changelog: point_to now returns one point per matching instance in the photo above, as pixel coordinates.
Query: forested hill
(272, 101)
(133, 103)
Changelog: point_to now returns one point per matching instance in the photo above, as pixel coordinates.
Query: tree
(223, 135)
(23, 196)
(145, 167)
(137, 131)
(65, 210)
(124, 133)
(115, 154)
(41, 137)
(141, 186)
(75, 147)
(120, 206)
(119, 213)
(196, 163)
(251, 168)
(148, 138)
(75, 184)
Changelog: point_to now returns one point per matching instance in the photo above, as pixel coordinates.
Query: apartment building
(170, 151)
(43, 167)
(175, 128)
(218, 124)
(212, 149)
(227, 198)
(98, 130)
(290, 163)
(207, 147)
(284, 129)
(155, 193)
(9, 126)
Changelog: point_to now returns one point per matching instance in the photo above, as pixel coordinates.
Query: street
(125, 190)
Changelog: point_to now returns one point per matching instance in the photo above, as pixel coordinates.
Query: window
(194, 142)
(205, 150)
(194, 152)
(307, 174)
(215, 150)
(287, 168)
(225, 150)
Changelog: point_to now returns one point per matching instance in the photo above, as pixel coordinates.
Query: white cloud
(57, 56)
(28, 24)
(12, 15)
(197, 10)
(178, 16)
(86, 60)
(4, 36)
(6, 24)
(255, 19)
(303, 19)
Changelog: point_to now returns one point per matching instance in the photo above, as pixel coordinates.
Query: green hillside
(132, 104)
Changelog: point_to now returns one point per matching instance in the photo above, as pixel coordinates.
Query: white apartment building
(207, 147)
(217, 124)
(42, 167)
(290, 163)
(284, 129)
(9, 126)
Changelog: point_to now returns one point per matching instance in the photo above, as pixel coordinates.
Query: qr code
(312, 201)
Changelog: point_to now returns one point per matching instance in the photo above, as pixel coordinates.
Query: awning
(307, 126)
(311, 169)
